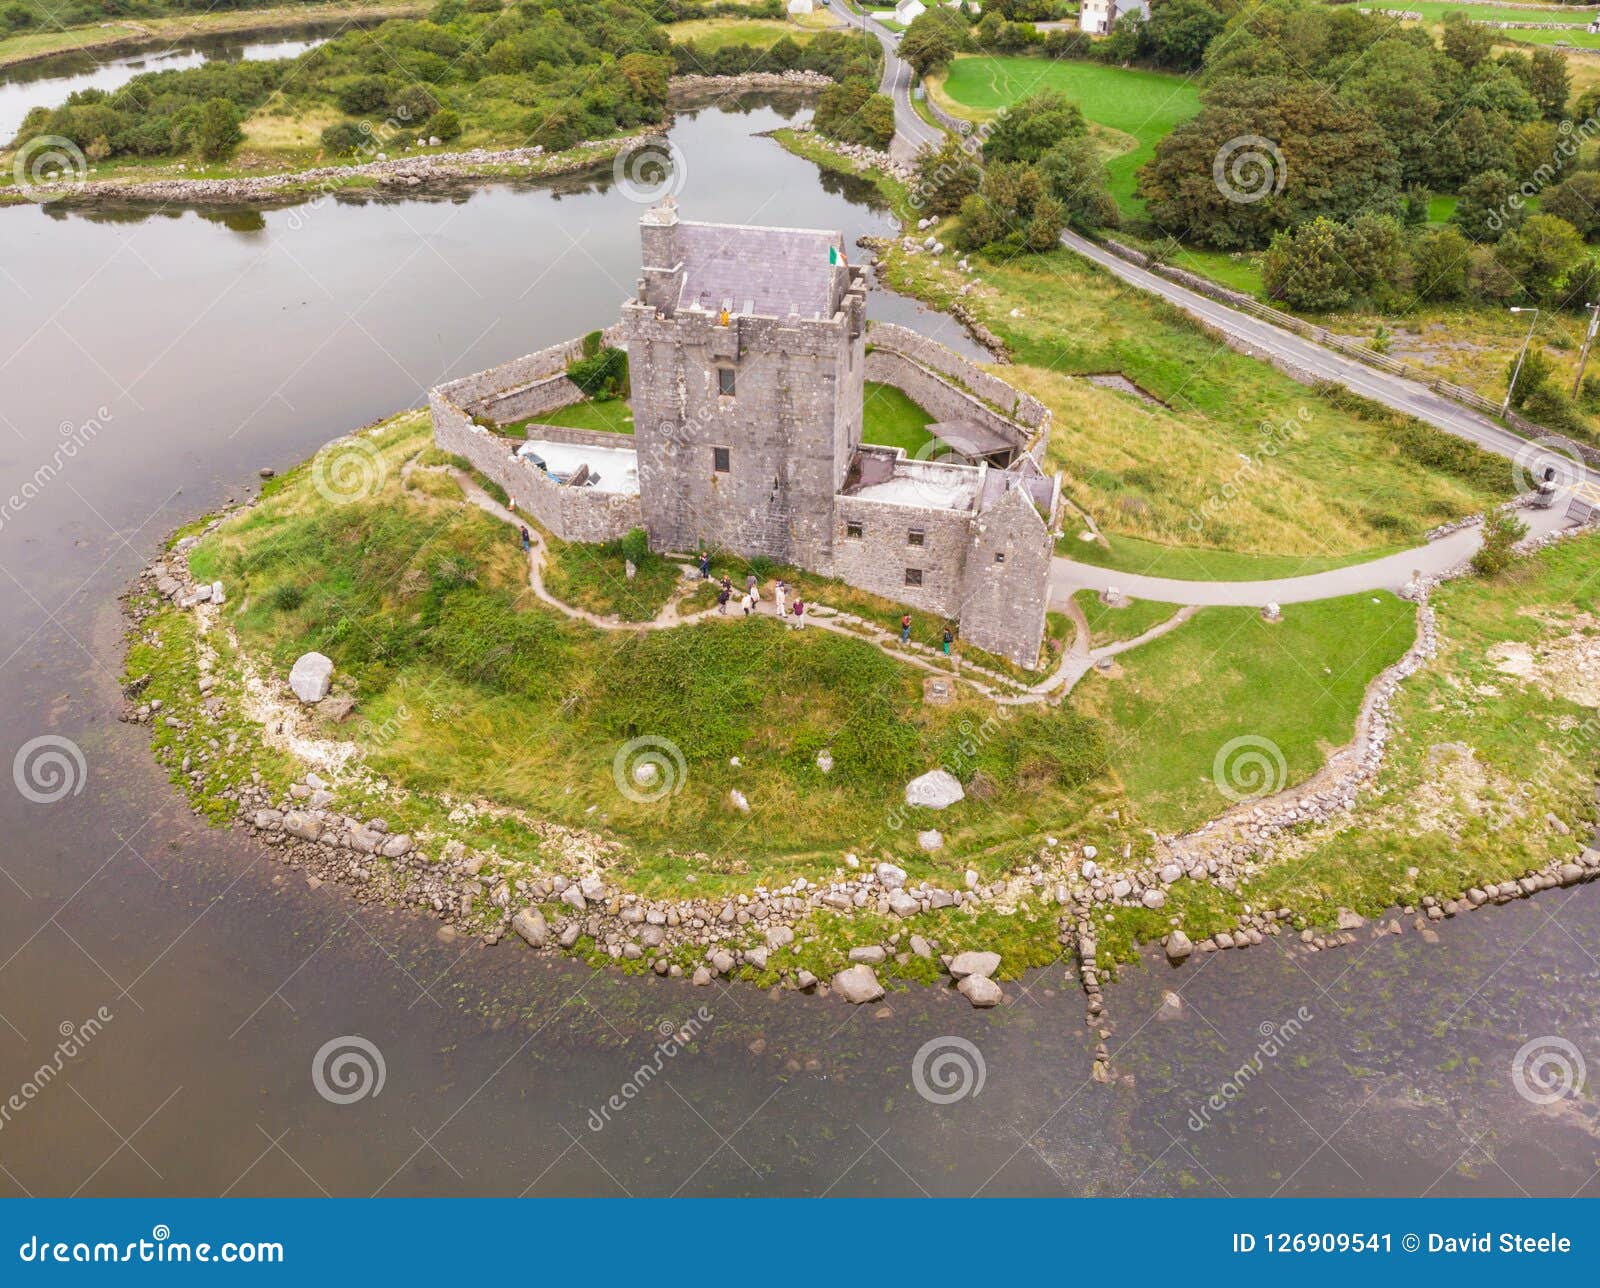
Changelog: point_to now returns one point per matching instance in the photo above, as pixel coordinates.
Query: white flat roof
(932, 493)
(618, 467)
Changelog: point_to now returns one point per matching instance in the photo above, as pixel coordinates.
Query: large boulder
(530, 924)
(936, 789)
(858, 984)
(963, 965)
(980, 990)
(311, 676)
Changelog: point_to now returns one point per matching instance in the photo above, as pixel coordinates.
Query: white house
(801, 6)
(1098, 17)
(908, 10)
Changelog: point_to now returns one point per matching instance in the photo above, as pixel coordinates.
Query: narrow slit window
(725, 381)
(721, 459)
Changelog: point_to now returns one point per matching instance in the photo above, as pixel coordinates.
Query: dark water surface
(207, 347)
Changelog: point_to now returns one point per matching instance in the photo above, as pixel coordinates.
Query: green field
(890, 419)
(613, 416)
(1143, 105)
(1194, 563)
(1435, 10)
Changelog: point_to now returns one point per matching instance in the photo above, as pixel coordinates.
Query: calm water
(216, 345)
(50, 83)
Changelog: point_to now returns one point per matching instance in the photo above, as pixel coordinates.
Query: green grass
(1227, 674)
(613, 416)
(717, 33)
(1435, 10)
(891, 419)
(594, 577)
(1193, 563)
(1108, 625)
(1143, 105)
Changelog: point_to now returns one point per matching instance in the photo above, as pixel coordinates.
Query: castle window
(853, 530)
(721, 460)
(725, 381)
(1000, 556)
(915, 537)
(913, 576)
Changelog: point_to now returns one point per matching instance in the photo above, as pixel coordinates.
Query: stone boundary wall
(529, 400)
(572, 514)
(472, 392)
(938, 395)
(1023, 408)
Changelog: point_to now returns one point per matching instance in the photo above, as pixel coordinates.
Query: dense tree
(1324, 265)
(944, 178)
(1033, 127)
(927, 45)
(1546, 257)
(1074, 172)
(1441, 263)
(1550, 83)
(854, 112)
(217, 131)
(1465, 41)
(1488, 205)
(1577, 200)
(1012, 206)
(1178, 32)
(1265, 154)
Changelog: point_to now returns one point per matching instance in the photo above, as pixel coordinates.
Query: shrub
(1501, 532)
(602, 375)
(345, 138)
(445, 125)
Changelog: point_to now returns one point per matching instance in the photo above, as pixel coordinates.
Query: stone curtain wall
(1023, 408)
(473, 393)
(529, 400)
(939, 396)
(878, 559)
(573, 514)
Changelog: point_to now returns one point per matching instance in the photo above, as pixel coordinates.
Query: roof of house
(773, 272)
(970, 438)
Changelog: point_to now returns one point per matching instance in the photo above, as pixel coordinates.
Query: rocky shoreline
(575, 906)
(424, 172)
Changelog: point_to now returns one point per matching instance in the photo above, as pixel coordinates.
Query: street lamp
(1521, 354)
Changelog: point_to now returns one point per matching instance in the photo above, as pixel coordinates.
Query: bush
(345, 138)
(1501, 532)
(602, 375)
(445, 125)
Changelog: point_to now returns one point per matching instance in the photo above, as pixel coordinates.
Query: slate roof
(773, 272)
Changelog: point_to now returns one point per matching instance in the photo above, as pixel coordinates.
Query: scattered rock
(936, 789)
(310, 677)
(530, 924)
(858, 984)
(980, 990)
(963, 965)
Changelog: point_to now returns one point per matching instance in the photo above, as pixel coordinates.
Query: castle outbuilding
(748, 349)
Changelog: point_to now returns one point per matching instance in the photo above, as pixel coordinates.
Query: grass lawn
(1142, 105)
(1194, 563)
(1226, 674)
(595, 578)
(613, 416)
(891, 419)
(715, 33)
(1108, 625)
(1241, 458)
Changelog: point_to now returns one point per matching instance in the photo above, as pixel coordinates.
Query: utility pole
(1521, 354)
(1588, 339)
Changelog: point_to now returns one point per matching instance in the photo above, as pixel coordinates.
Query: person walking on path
(905, 629)
(527, 539)
(799, 614)
(722, 600)
(749, 601)
(948, 640)
(705, 566)
(781, 597)
(750, 583)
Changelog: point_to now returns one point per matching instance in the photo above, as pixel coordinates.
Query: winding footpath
(1274, 343)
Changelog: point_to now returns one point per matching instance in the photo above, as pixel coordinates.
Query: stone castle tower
(746, 355)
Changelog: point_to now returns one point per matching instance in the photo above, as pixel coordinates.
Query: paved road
(910, 130)
(1389, 573)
